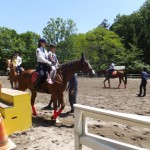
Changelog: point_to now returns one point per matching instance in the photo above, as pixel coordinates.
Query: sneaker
(138, 95)
(49, 80)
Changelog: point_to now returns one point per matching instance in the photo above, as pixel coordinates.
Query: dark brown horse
(63, 75)
(117, 74)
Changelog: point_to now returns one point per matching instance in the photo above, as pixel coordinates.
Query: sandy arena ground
(44, 135)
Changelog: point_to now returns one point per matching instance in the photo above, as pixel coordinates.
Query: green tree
(58, 29)
(28, 52)
(9, 42)
(71, 48)
(134, 30)
(104, 24)
(103, 47)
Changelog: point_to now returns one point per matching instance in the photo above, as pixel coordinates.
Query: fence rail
(128, 75)
(82, 137)
(2, 73)
(135, 75)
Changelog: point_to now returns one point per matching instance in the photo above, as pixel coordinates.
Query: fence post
(78, 128)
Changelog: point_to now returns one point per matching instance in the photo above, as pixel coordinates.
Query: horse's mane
(67, 64)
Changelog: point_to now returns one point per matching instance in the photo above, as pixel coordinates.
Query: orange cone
(5, 143)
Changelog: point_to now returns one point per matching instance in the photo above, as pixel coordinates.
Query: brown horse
(117, 74)
(63, 75)
(0, 86)
(12, 74)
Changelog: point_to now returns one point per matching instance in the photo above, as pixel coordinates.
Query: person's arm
(41, 58)
(19, 61)
(51, 58)
(57, 62)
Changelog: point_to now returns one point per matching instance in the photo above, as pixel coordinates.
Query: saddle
(111, 74)
(34, 77)
(56, 77)
(114, 73)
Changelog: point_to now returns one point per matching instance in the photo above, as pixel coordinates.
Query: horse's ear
(82, 57)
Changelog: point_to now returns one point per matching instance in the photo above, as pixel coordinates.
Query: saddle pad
(114, 73)
(34, 77)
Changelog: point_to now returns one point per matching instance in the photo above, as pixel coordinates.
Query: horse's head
(85, 66)
(9, 64)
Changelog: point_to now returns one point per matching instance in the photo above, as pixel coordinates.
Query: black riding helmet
(17, 52)
(52, 45)
(41, 40)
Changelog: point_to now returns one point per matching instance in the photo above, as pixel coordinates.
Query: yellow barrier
(15, 108)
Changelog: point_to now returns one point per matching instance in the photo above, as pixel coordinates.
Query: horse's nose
(93, 72)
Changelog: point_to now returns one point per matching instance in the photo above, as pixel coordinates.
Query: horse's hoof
(57, 121)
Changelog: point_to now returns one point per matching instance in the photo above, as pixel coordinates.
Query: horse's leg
(109, 82)
(61, 99)
(49, 106)
(15, 85)
(104, 82)
(54, 99)
(58, 104)
(33, 96)
(11, 83)
(119, 83)
(124, 82)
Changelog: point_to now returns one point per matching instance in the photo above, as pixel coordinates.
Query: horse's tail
(125, 74)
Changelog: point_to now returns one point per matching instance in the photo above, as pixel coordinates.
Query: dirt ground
(44, 135)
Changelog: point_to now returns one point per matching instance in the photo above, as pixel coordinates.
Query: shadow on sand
(110, 88)
(40, 121)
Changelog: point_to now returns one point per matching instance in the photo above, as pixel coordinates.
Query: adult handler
(73, 90)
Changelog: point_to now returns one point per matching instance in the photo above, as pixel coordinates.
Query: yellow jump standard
(15, 107)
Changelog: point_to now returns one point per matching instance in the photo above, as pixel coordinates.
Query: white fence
(82, 137)
(135, 75)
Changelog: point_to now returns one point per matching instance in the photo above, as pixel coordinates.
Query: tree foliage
(104, 24)
(100, 46)
(134, 30)
(58, 29)
(11, 41)
(127, 42)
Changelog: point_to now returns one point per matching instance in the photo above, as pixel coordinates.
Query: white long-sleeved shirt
(112, 66)
(42, 56)
(19, 61)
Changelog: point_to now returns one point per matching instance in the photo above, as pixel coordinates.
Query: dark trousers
(143, 86)
(110, 71)
(73, 97)
(18, 69)
(41, 69)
